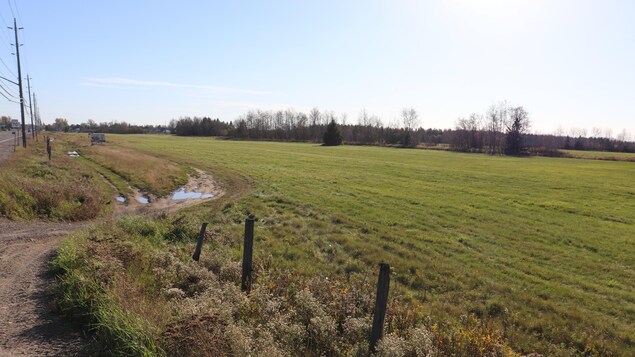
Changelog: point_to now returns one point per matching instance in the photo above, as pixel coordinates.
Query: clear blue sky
(569, 62)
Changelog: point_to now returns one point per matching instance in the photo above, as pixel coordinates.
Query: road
(29, 324)
(6, 144)
(6, 136)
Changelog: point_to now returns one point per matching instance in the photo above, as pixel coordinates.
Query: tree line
(502, 129)
(505, 129)
(113, 127)
(291, 125)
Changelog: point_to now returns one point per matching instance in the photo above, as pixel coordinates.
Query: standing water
(180, 194)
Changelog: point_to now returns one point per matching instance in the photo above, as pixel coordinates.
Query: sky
(570, 63)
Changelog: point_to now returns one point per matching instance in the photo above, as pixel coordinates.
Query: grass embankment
(539, 249)
(147, 172)
(134, 282)
(60, 190)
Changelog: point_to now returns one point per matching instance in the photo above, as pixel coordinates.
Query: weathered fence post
(199, 244)
(48, 146)
(247, 254)
(383, 284)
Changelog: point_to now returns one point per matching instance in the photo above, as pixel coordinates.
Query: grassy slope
(31, 187)
(548, 239)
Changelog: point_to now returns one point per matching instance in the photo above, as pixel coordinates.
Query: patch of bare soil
(29, 324)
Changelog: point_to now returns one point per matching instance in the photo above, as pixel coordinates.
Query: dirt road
(29, 325)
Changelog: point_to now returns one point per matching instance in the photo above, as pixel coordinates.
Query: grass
(601, 155)
(133, 283)
(535, 250)
(541, 246)
(60, 190)
(144, 171)
(88, 278)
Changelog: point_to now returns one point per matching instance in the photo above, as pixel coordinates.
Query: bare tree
(343, 118)
(497, 118)
(410, 118)
(469, 133)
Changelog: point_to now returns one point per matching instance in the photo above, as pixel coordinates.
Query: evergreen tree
(515, 131)
(332, 136)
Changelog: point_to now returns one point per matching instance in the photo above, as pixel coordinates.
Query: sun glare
(488, 8)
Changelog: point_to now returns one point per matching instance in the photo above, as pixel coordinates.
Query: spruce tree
(332, 136)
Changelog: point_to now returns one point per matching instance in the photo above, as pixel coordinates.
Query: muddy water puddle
(200, 187)
(182, 194)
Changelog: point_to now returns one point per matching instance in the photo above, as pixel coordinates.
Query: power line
(11, 8)
(4, 20)
(5, 38)
(7, 67)
(25, 54)
(17, 10)
(9, 99)
(7, 91)
(8, 80)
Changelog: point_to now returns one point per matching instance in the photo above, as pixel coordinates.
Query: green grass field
(543, 247)
(601, 155)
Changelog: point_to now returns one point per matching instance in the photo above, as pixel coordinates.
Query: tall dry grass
(61, 189)
(134, 283)
(147, 172)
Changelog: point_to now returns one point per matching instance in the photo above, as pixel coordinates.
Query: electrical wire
(11, 8)
(7, 91)
(8, 69)
(17, 10)
(24, 53)
(9, 99)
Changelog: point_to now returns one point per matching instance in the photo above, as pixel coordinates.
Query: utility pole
(28, 84)
(17, 54)
(38, 121)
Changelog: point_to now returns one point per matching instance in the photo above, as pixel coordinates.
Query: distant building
(97, 138)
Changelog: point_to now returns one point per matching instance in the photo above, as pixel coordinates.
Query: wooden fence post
(247, 254)
(199, 244)
(48, 146)
(383, 284)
